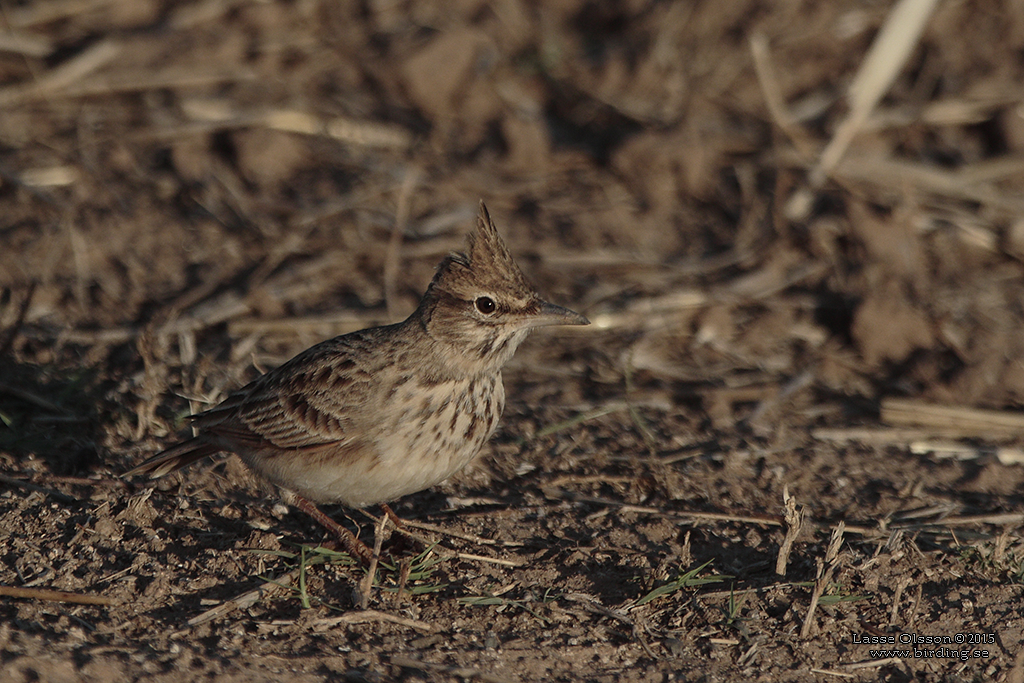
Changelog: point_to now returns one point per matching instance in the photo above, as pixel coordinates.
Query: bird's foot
(349, 543)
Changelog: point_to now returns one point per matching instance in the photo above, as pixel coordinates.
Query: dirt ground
(192, 192)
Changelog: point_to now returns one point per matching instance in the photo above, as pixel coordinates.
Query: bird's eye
(485, 305)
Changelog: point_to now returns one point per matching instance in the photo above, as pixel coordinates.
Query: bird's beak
(550, 314)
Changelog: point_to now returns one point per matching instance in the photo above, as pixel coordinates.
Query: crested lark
(374, 415)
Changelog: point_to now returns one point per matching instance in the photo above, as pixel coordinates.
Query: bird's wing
(319, 397)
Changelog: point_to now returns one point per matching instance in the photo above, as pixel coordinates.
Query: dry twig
(246, 599)
(365, 587)
(883, 62)
(370, 616)
(826, 568)
(55, 596)
(794, 522)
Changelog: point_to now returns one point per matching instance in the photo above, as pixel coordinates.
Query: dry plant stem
(768, 79)
(887, 55)
(486, 560)
(903, 412)
(736, 592)
(747, 656)
(245, 599)
(60, 77)
(901, 585)
(885, 174)
(480, 540)
(830, 672)
(25, 44)
(562, 494)
(403, 577)
(401, 524)
(794, 521)
(592, 605)
(349, 542)
(941, 450)
(970, 520)
(55, 596)
(370, 616)
(365, 588)
(826, 568)
(894, 436)
(350, 131)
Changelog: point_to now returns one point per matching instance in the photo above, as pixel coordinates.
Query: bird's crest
(489, 266)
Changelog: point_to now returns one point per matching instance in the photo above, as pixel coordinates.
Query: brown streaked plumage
(374, 415)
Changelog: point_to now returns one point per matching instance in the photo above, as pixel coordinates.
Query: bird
(373, 415)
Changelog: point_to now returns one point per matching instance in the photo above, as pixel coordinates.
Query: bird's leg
(390, 514)
(400, 525)
(352, 545)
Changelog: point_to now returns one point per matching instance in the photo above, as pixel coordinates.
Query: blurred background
(276, 170)
(259, 175)
(784, 218)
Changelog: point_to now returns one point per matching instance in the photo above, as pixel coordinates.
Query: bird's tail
(174, 458)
